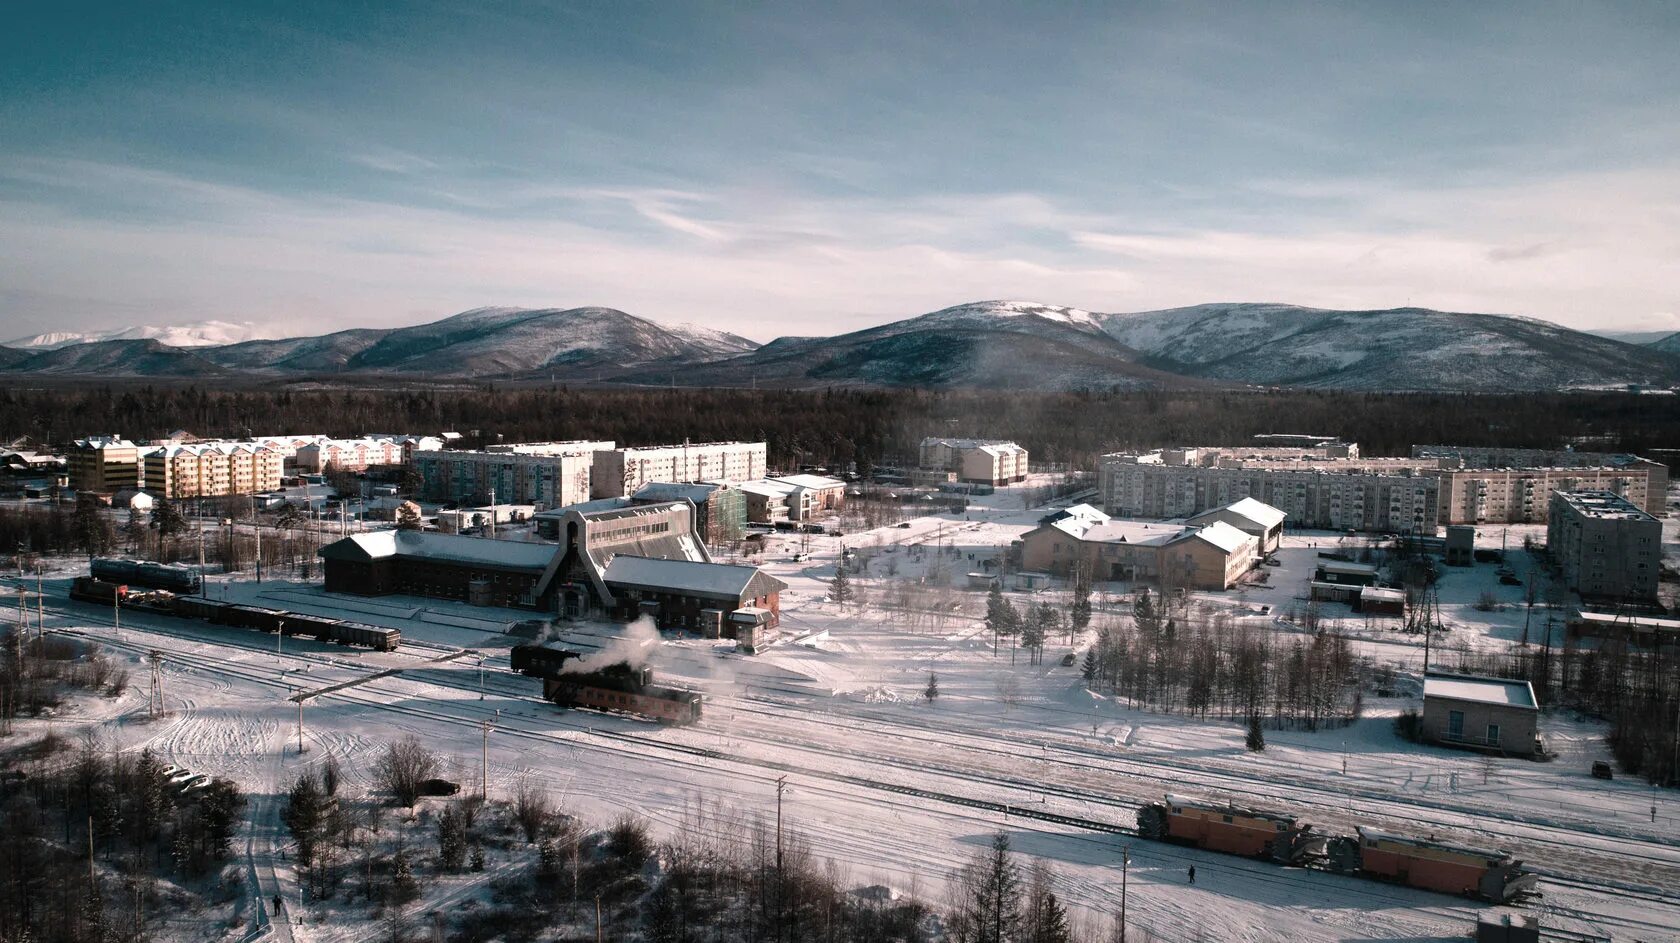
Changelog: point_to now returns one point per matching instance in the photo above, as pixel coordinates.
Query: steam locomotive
(620, 687)
(1422, 863)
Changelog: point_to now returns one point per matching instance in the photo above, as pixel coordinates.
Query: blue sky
(786, 168)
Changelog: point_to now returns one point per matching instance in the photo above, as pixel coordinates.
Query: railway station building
(613, 563)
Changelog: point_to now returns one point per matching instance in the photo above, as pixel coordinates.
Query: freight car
(170, 576)
(219, 612)
(1432, 865)
(1282, 838)
(1422, 863)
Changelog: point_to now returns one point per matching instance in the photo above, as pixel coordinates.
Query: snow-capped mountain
(985, 344)
(195, 334)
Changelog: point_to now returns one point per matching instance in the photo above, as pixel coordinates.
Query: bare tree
(531, 808)
(404, 769)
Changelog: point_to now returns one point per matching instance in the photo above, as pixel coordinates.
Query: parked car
(904, 523)
(1068, 659)
(1273, 561)
(1601, 770)
(439, 787)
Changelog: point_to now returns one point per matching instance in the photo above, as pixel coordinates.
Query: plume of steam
(631, 648)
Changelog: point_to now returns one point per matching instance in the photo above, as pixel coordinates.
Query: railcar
(173, 577)
(1432, 865)
(1427, 864)
(1227, 828)
(376, 637)
(90, 589)
(623, 689)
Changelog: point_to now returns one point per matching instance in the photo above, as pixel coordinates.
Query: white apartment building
(349, 454)
(620, 472)
(978, 461)
(547, 475)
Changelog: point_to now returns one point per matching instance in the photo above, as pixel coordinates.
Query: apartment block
(978, 461)
(546, 475)
(104, 464)
(1515, 485)
(349, 454)
(1325, 494)
(621, 472)
(210, 469)
(1607, 547)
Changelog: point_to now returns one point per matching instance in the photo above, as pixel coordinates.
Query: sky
(791, 168)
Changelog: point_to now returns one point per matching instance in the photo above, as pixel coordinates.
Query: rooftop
(1498, 691)
(702, 579)
(483, 551)
(1602, 505)
(1259, 512)
(810, 481)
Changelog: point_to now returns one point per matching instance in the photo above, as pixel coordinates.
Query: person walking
(276, 905)
(1192, 874)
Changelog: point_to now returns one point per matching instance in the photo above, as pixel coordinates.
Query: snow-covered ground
(902, 791)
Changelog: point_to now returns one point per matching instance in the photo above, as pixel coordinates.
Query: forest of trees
(834, 427)
(95, 844)
(1173, 659)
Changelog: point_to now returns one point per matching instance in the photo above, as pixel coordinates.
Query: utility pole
(279, 634)
(202, 589)
(300, 724)
(492, 513)
(154, 703)
(781, 884)
(597, 918)
(481, 676)
(484, 763)
(116, 611)
(40, 606)
(1125, 865)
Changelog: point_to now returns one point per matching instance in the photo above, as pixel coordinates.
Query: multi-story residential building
(978, 461)
(349, 454)
(620, 472)
(1515, 485)
(1314, 494)
(211, 469)
(104, 464)
(547, 475)
(1606, 546)
(1327, 486)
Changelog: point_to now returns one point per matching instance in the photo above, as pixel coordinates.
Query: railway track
(705, 758)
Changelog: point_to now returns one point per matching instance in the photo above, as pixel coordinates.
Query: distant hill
(1013, 345)
(196, 334)
(987, 344)
(1387, 349)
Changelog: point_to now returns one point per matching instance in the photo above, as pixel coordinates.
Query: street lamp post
(1125, 865)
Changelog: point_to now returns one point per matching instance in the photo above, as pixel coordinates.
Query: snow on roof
(1379, 592)
(704, 579)
(810, 481)
(1611, 618)
(1372, 834)
(1257, 511)
(1498, 691)
(483, 551)
(672, 491)
(1223, 536)
(1344, 566)
(766, 488)
(1226, 808)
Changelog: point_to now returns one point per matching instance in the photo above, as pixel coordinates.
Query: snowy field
(901, 791)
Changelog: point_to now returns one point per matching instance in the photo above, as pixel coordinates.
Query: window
(1455, 723)
(1493, 733)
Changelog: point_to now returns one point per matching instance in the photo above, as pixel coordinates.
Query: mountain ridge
(998, 344)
